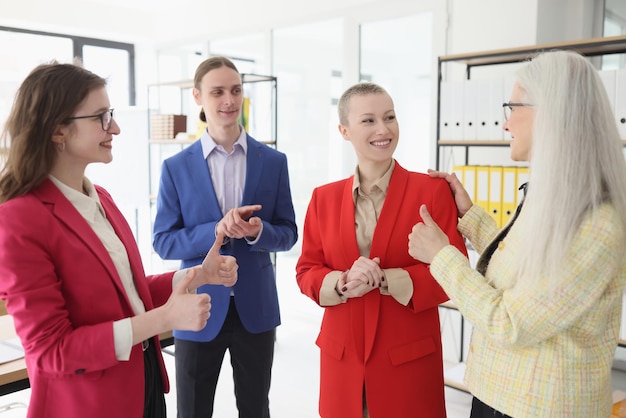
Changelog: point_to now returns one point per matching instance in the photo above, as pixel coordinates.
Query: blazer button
(80, 371)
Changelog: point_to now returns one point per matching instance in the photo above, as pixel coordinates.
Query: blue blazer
(184, 229)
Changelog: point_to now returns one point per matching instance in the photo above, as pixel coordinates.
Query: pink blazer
(64, 293)
(374, 341)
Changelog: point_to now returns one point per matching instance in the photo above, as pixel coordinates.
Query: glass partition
(308, 65)
(397, 54)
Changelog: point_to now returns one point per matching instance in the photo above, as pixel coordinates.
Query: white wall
(459, 25)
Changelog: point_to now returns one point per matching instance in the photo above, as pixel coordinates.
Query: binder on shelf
(469, 180)
(458, 170)
(495, 194)
(522, 177)
(620, 102)
(482, 186)
(507, 88)
(470, 92)
(451, 110)
(457, 109)
(509, 193)
(445, 110)
(488, 114)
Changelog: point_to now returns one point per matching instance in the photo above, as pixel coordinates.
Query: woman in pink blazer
(70, 270)
(380, 339)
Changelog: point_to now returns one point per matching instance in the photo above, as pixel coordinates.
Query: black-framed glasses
(508, 107)
(106, 118)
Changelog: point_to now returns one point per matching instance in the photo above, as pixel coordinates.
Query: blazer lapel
(123, 232)
(254, 168)
(380, 243)
(198, 172)
(67, 214)
(347, 231)
(389, 212)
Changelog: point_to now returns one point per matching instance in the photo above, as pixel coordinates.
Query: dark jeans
(198, 366)
(481, 410)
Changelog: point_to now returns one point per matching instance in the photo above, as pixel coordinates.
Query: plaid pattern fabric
(538, 351)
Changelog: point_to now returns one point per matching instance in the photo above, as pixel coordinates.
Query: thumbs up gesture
(217, 268)
(426, 239)
(188, 311)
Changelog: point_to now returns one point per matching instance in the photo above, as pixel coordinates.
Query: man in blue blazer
(226, 181)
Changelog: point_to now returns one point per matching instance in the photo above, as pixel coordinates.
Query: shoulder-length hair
(206, 66)
(46, 99)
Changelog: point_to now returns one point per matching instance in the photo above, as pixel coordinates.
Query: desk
(13, 376)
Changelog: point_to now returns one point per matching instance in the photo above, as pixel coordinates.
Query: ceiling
(167, 22)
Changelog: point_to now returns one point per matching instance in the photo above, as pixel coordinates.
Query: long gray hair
(576, 162)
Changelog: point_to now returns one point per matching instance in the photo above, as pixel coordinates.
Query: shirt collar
(208, 143)
(88, 204)
(382, 183)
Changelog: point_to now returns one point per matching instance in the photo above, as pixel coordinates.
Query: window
(614, 25)
(23, 49)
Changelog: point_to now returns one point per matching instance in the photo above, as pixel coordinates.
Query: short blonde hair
(359, 89)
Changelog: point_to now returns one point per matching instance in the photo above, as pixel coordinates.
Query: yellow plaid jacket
(537, 353)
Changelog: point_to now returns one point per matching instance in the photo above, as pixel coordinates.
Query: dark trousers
(154, 399)
(198, 367)
(482, 410)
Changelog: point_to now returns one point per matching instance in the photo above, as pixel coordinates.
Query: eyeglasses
(106, 118)
(508, 107)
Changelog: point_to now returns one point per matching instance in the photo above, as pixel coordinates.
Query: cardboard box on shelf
(167, 126)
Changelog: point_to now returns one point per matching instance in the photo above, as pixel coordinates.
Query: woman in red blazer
(380, 339)
(70, 270)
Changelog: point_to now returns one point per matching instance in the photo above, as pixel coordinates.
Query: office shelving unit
(588, 47)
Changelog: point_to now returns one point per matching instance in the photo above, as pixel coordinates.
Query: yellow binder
(467, 176)
(495, 194)
(522, 177)
(482, 187)
(509, 193)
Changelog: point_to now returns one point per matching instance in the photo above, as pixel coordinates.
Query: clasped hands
(363, 276)
(239, 223)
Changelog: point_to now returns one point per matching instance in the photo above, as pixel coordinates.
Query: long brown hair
(207, 65)
(46, 99)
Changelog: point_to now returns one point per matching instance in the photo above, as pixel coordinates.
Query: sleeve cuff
(178, 276)
(328, 292)
(123, 338)
(399, 285)
(472, 217)
(252, 241)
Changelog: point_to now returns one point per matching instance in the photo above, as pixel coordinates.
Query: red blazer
(374, 341)
(64, 293)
